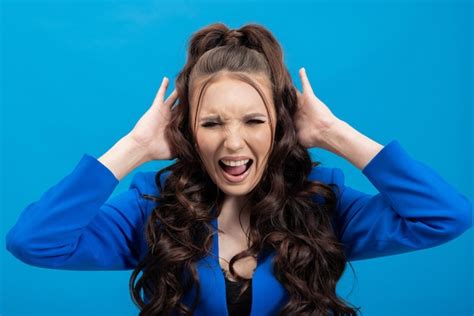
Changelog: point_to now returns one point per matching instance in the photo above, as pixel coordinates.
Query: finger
(299, 97)
(298, 93)
(161, 92)
(305, 81)
(171, 99)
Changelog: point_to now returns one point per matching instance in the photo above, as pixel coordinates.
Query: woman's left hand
(313, 119)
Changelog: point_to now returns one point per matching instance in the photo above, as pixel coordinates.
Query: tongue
(235, 171)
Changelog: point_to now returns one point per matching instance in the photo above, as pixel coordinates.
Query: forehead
(229, 96)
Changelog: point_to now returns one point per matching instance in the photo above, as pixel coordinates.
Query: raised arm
(414, 209)
(75, 226)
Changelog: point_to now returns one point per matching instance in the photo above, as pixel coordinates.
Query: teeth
(235, 163)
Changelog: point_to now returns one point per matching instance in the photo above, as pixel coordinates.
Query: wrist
(124, 157)
(336, 136)
(345, 141)
(138, 151)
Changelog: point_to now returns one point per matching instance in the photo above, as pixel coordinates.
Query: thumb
(305, 81)
(161, 92)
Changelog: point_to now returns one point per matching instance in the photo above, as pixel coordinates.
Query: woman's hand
(149, 131)
(313, 119)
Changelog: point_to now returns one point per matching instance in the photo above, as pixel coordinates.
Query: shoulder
(333, 177)
(327, 175)
(321, 174)
(146, 181)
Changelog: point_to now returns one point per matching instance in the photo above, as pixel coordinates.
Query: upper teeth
(235, 163)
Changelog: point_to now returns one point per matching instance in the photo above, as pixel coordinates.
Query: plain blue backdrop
(77, 75)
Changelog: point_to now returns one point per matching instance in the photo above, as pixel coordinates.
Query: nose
(233, 140)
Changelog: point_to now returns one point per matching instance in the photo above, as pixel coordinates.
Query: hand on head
(149, 131)
(312, 118)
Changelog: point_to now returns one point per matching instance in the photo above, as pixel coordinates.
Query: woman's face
(232, 121)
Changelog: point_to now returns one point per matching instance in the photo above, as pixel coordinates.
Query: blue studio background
(77, 75)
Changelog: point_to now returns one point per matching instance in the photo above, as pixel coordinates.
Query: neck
(229, 216)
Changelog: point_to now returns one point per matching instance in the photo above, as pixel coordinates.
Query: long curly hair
(309, 259)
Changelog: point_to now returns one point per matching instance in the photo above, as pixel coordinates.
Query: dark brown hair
(309, 259)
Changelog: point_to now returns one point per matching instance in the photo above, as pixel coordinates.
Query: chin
(235, 192)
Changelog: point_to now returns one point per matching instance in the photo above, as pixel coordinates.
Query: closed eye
(209, 124)
(212, 124)
(256, 121)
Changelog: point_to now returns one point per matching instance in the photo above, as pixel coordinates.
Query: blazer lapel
(268, 295)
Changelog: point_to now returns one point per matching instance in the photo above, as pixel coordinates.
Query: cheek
(207, 145)
(262, 137)
(262, 142)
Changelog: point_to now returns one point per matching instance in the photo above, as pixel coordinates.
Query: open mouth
(235, 171)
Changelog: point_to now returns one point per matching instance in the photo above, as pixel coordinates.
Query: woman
(243, 222)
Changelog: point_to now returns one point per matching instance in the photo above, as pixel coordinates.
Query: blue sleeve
(414, 209)
(73, 226)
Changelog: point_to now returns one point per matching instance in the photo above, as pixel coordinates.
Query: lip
(237, 179)
(234, 158)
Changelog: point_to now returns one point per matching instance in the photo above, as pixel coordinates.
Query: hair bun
(234, 38)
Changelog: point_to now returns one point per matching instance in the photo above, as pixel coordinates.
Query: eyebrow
(247, 116)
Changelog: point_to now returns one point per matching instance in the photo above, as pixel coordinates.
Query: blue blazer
(75, 225)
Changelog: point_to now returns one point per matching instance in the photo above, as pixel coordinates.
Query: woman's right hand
(149, 131)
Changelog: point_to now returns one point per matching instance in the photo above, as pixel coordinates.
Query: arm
(73, 226)
(414, 209)
(347, 142)
(123, 157)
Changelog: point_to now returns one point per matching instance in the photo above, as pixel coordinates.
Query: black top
(237, 306)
